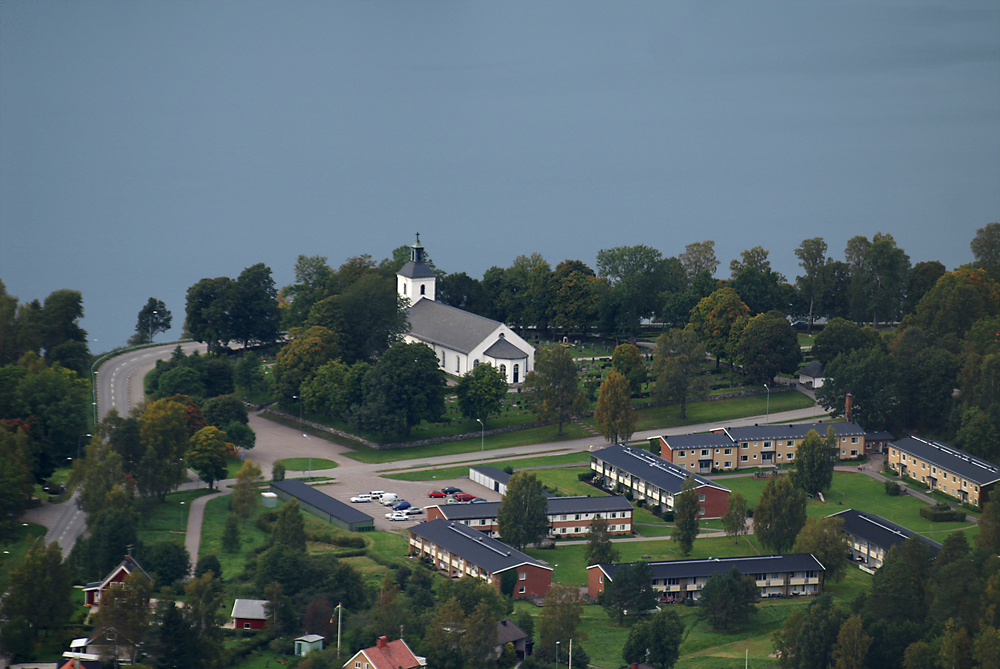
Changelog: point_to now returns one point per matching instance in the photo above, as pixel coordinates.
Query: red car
(464, 497)
(436, 493)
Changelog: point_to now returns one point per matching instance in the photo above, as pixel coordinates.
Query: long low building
(950, 470)
(755, 446)
(871, 537)
(460, 551)
(655, 480)
(568, 516)
(676, 580)
(323, 506)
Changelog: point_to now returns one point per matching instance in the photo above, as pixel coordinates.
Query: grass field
(458, 471)
(211, 536)
(14, 545)
(168, 521)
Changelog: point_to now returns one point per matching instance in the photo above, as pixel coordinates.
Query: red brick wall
(666, 452)
(594, 585)
(433, 512)
(716, 501)
(536, 582)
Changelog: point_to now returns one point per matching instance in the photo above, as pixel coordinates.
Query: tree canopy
(779, 515)
(552, 389)
(480, 392)
(614, 415)
(523, 516)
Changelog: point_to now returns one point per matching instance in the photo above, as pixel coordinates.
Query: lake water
(147, 145)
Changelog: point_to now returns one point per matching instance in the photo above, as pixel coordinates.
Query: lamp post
(482, 439)
(299, 398)
(557, 655)
(151, 325)
(78, 440)
(767, 416)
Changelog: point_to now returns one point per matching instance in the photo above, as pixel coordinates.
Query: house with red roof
(386, 654)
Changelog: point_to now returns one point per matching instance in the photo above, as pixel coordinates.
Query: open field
(168, 521)
(457, 471)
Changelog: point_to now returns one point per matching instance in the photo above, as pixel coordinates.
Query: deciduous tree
(600, 549)
(767, 346)
(957, 301)
(735, 519)
(727, 598)
(562, 613)
(851, 651)
(552, 389)
(299, 359)
(289, 528)
(814, 460)
(627, 361)
(38, 592)
(245, 492)
(686, 510)
(123, 618)
(523, 515)
(699, 257)
(208, 312)
(809, 636)
(825, 539)
(843, 336)
(656, 640)
(153, 318)
(779, 515)
(614, 415)
(629, 591)
(207, 454)
(636, 275)
(713, 317)
(986, 248)
(869, 375)
(481, 391)
(812, 257)
(677, 367)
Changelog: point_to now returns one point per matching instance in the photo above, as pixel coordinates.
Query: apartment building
(676, 580)
(871, 537)
(568, 516)
(950, 470)
(654, 479)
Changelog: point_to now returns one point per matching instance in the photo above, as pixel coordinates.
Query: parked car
(413, 511)
(363, 497)
(376, 494)
(478, 500)
(464, 497)
(390, 498)
(436, 493)
(452, 500)
(402, 505)
(398, 515)
(451, 490)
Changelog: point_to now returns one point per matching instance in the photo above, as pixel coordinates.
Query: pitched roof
(390, 655)
(508, 632)
(798, 431)
(651, 468)
(878, 531)
(703, 440)
(557, 505)
(504, 350)
(951, 459)
(251, 609)
(310, 638)
(474, 546)
(320, 500)
(756, 564)
(448, 326)
(416, 270)
(879, 436)
(129, 564)
(813, 369)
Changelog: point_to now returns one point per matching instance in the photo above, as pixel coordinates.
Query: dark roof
(704, 440)
(473, 546)
(799, 431)
(508, 632)
(951, 459)
(416, 270)
(879, 436)
(448, 326)
(469, 511)
(651, 468)
(878, 531)
(756, 564)
(321, 501)
(504, 350)
(813, 369)
(493, 473)
(557, 505)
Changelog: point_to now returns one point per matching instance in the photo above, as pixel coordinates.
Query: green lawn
(564, 481)
(211, 536)
(458, 471)
(169, 520)
(14, 545)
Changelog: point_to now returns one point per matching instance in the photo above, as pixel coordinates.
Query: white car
(413, 511)
(363, 497)
(397, 515)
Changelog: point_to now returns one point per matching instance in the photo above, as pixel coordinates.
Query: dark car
(478, 500)
(451, 490)
(437, 493)
(464, 497)
(400, 506)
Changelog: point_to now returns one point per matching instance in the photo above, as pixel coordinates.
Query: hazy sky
(147, 145)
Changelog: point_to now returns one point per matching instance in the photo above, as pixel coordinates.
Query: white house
(460, 339)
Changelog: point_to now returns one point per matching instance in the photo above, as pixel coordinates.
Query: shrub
(668, 516)
(892, 488)
(278, 472)
(587, 475)
(942, 513)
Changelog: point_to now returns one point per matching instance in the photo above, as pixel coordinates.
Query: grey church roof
(504, 350)
(416, 270)
(448, 326)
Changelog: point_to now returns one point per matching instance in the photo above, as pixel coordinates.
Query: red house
(93, 591)
(249, 614)
(385, 654)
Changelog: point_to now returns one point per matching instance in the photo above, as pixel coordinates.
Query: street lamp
(151, 325)
(482, 439)
(296, 397)
(557, 655)
(767, 416)
(78, 439)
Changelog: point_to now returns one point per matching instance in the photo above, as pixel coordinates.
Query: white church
(460, 339)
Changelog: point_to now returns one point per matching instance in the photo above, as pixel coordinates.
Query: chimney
(382, 642)
(849, 406)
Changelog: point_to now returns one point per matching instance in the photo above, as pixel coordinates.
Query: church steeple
(416, 279)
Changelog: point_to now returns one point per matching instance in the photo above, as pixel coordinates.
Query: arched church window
(423, 290)
(503, 370)
(475, 363)
(458, 364)
(516, 368)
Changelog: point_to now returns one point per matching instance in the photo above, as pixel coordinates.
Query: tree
(957, 300)
(231, 534)
(986, 246)
(444, 636)
(735, 519)
(56, 401)
(825, 539)
(989, 526)
(808, 637)
(627, 361)
(655, 640)
(812, 257)
(168, 561)
(254, 313)
(480, 639)
(207, 454)
(201, 612)
(209, 563)
(986, 650)
(461, 291)
(630, 590)
(686, 510)
(245, 495)
(164, 432)
(335, 388)
(614, 415)
(713, 317)
(843, 336)
(481, 391)
(768, 346)
(851, 650)
(16, 480)
(926, 384)
(37, 598)
(780, 515)
(208, 312)
(123, 617)
(898, 591)
(636, 275)
(814, 460)
(728, 597)
(552, 389)
(922, 278)
(677, 367)
(404, 387)
(599, 549)
(153, 318)
(299, 359)
(869, 376)
(240, 435)
(169, 646)
(369, 315)
(562, 612)
(756, 283)
(956, 646)
(289, 527)
(699, 257)
(523, 516)
(574, 300)
(222, 410)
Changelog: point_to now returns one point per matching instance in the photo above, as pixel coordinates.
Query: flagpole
(340, 615)
(570, 665)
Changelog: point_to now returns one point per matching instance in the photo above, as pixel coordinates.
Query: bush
(892, 488)
(942, 513)
(587, 475)
(278, 472)
(668, 516)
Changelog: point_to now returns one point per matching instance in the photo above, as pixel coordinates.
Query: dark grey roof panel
(504, 350)
(757, 564)
(474, 546)
(764, 432)
(416, 270)
(813, 369)
(879, 436)
(944, 456)
(648, 467)
(557, 505)
(321, 501)
(878, 531)
(437, 323)
(707, 440)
